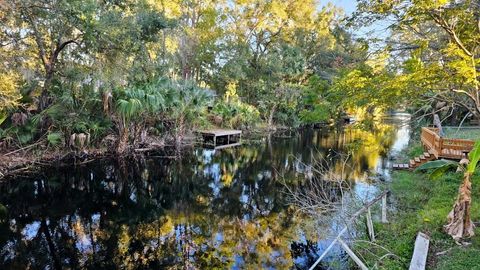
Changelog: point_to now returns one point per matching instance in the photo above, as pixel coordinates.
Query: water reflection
(212, 209)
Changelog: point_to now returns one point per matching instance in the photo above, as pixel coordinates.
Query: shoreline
(31, 158)
(421, 204)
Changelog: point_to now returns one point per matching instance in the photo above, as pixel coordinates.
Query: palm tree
(135, 106)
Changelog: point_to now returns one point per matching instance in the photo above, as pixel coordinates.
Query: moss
(421, 204)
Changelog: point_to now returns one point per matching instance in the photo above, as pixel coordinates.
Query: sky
(348, 6)
(376, 30)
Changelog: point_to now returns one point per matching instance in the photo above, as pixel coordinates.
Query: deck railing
(445, 147)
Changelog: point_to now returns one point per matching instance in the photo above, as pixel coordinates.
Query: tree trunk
(123, 140)
(180, 132)
(437, 123)
(459, 223)
(272, 113)
(44, 99)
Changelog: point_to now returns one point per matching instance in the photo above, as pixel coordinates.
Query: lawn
(462, 133)
(422, 204)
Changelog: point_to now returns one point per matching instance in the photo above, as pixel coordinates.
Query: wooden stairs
(415, 162)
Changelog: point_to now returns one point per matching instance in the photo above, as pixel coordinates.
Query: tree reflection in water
(208, 210)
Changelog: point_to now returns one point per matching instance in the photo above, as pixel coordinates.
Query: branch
(38, 40)
(444, 24)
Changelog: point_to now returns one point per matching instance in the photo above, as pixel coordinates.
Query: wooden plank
(422, 157)
(417, 159)
(345, 228)
(427, 155)
(412, 163)
(220, 132)
(371, 232)
(352, 255)
(384, 209)
(419, 258)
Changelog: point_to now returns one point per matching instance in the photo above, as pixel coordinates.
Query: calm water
(221, 209)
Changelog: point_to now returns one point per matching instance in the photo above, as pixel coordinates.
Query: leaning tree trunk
(438, 124)
(459, 223)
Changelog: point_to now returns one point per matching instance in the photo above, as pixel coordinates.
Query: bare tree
(323, 188)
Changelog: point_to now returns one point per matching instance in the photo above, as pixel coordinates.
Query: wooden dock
(221, 138)
(438, 147)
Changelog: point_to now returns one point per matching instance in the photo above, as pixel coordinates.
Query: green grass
(422, 204)
(463, 133)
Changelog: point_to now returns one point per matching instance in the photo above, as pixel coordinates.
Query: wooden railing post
(352, 255)
(384, 208)
(371, 232)
(338, 239)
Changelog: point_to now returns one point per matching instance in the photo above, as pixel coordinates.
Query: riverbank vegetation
(136, 73)
(89, 77)
(422, 204)
(121, 73)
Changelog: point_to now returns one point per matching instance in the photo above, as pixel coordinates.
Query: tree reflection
(208, 210)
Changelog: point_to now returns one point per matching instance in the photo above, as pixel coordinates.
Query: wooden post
(420, 252)
(352, 255)
(345, 228)
(371, 232)
(384, 208)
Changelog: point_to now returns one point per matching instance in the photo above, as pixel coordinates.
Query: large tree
(437, 45)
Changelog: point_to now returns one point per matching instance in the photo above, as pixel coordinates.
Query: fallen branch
(23, 148)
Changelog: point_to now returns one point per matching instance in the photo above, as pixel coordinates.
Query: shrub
(236, 114)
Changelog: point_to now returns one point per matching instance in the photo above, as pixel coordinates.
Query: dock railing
(444, 147)
(338, 239)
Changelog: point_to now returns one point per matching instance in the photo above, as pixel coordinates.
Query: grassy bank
(422, 204)
(470, 133)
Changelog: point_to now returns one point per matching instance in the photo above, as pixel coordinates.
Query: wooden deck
(445, 147)
(221, 138)
(220, 132)
(437, 147)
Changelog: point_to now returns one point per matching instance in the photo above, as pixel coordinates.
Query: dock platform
(221, 138)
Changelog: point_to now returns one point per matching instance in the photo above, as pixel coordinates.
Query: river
(209, 209)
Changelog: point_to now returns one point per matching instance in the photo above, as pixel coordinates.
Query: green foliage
(474, 157)
(319, 113)
(436, 164)
(9, 93)
(151, 103)
(236, 114)
(442, 55)
(438, 167)
(316, 100)
(55, 138)
(3, 117)
(80, 50)
(423, 205)
(415, 150)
